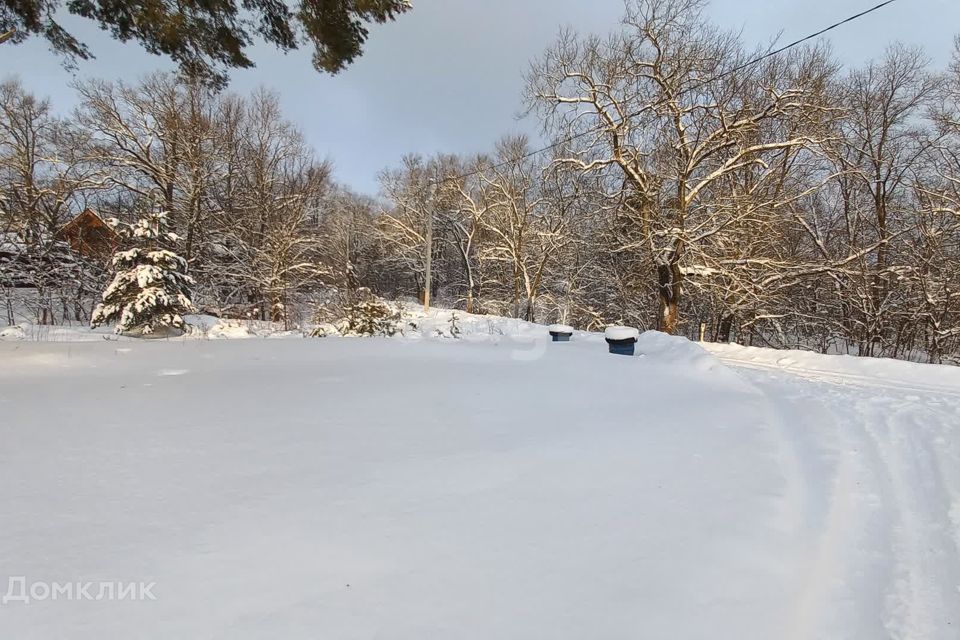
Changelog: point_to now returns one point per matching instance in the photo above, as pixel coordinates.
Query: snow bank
(198, 327)
(448, 323)
(229, 331)
(677, 352)
(58, 333)
(15, 332)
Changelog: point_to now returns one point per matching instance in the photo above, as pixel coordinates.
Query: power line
(696, 85)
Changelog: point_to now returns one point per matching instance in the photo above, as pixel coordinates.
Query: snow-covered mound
(57, 333)
(447, 323)
(229, 331)
(14, 332)
(676, 351)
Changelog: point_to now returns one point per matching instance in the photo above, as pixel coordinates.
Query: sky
(448, 76)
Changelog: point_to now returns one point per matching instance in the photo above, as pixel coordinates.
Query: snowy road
(386, 489)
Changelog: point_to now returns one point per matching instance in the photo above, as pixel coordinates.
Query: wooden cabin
(90, 236)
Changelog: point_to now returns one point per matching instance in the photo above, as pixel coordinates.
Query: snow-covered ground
(414, 324)
(488, 487)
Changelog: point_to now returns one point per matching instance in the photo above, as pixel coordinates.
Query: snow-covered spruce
(150, 291)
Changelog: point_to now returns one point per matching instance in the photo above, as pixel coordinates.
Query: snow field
(496, 486)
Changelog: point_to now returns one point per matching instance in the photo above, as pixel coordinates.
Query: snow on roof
(87, 217)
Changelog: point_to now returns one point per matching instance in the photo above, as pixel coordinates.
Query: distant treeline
(791, 202)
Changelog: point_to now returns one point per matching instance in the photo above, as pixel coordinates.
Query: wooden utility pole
(429, 261)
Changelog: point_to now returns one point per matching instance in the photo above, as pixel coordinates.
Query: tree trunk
(935, 349)
(669, 281)
(726, 325)
(669, 317)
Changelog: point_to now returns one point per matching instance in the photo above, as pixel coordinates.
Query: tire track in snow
(923, 600)
(888, 545)
(841, 377)
(838, 507)
(809, 524)
(820, 609)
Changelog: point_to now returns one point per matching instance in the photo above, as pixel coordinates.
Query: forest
(684, 182)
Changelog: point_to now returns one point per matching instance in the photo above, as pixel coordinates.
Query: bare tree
(411, 193)
(265, 230)
(880, 142)
(45, 180)
(526, 224)
(160, 141)
(661, 102)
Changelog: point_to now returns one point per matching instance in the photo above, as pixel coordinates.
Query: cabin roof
(87, 218)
